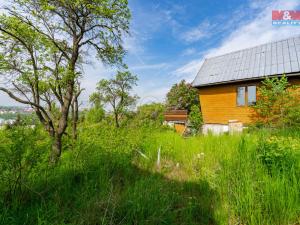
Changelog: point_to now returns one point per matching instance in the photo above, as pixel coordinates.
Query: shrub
(150, 114)
(278, 103)
(22, 156)
(182, 96)
(94, 115)
(278, 152)
(195, 118)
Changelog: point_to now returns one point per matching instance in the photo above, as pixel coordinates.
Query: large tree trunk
(117, 120)
(59, 132)
(56, 148)
(75, 116)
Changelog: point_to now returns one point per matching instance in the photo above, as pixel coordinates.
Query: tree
(42, 48)
(278, 103)
(116, 93)
(150, 113)
(195, 118)
(96, 113)
(75, 110)
(95, 100)
(182, 96)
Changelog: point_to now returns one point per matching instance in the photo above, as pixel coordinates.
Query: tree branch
(26, 102)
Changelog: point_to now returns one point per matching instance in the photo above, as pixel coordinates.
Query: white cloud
(259, 31)
(146, 89)
(259, 4)
(132, 43)
(203, 30)
(189, 70)
(189, 51)
(3, 3)
(255, 32)
(148, 66)
(93, 73)
(150, 94)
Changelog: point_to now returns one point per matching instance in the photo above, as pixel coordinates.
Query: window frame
(237, 94)
(254, 103)
(246, 95)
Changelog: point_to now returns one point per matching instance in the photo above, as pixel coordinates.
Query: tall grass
(112, 177)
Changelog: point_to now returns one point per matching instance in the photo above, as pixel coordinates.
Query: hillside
(112, 176)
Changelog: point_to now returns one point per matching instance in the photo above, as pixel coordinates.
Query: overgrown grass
(111, 176)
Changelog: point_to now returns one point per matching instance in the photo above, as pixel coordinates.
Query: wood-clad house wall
(178, 119)
(218, 103)
(180, 128)
(176, 115)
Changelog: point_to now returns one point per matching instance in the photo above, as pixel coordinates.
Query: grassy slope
(200, 180)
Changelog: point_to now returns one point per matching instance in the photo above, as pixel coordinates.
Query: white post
(158, 157)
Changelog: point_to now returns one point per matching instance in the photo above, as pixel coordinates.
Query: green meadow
(83, 151)
(150, 175)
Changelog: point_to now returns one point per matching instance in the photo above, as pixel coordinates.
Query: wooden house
(228, 83)
(177, 119)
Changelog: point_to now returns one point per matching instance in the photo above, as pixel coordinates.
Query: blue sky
(170, 38)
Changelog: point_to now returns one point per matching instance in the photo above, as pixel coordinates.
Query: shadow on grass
(108, 191)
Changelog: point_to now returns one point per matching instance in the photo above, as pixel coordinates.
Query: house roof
(176, 112)
(176, 115)
(275, 58)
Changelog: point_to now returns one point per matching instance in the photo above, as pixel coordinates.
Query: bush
(195, 118)
(182, 96)
(150, 114)
(94, 115)
(278, 152)
(278, 103)
(23, 154)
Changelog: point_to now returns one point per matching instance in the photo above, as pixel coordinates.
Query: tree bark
(117, 120)
(75, 113)
(56, 148)
(75, 118)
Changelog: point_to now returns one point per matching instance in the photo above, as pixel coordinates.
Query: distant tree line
(116, 95)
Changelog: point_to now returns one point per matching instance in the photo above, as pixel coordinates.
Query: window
(241, 94)
(246, 94)
(251, 95)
